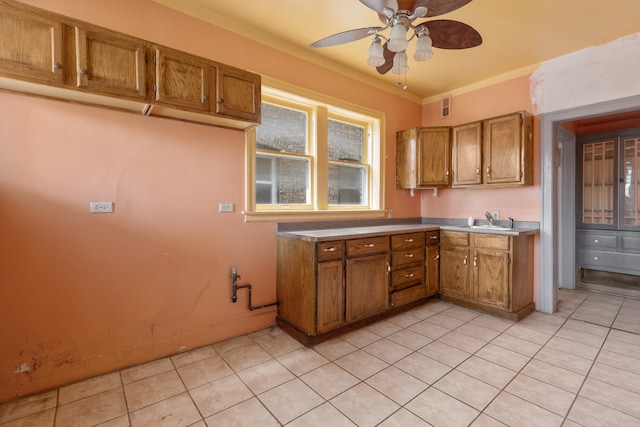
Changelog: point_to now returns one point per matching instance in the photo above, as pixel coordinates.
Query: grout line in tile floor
(437, 364)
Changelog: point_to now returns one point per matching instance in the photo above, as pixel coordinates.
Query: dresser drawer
(328, 251)
(368, 246)
(406, 277)
(432, 238)
(400, 259)
(491, 241)
(405, 241)
(454, 238)
(594, 240)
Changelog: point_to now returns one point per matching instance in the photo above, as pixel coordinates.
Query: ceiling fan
(395, 14)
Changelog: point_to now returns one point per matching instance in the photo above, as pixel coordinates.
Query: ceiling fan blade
(448, 34)
(380, 5)
(345, 37)
(440, 7)
(388, 61)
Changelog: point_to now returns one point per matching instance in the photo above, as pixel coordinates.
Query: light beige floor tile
(28, 405)
(233, 344)
(302, 360)
(153, 389)
(39, 419)
(383, 328)
(622, 347)
(554, 375)
(275, 341)
(220, 394)
(589, 328)
(360, 337)
(361, 364)
(626, 325)
(491, 322)
(627, 363)
(122, 421)
(460, 313)
(486, 371)
(539, 325)
(204, 371)
(92, 410)
(387, 350)
(626, 337)
(440, 409)
(466, 389)
(516, 344)
(177, 411)
(503, 357)
(544, 317)
(478, 332)
(404, 320)
(429, 330)
(448, 322)
(424, 311)
(542, 394)
(528, 334)
(245, 357)
(462, 342)
(444, 353)
(335, 348)
(192, 356)
(514, 411)
(564, 360)
(571, 347)
(323, 415)
(262, 377)
(199, 424)
(146, 370)
(364, 405)
(612, 396)
(329, 380)
(247, 413)
(484, 420)
(423, 368)
(89, 387)
(581, 337)
(397, 385)
(290, 400)
(616, 376)
(410, 339)
(403, 418)
(588, 413)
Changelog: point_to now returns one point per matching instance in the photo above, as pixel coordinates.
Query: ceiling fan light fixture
(398, 39)
(424, 48)
(376, 53)
(400, 63)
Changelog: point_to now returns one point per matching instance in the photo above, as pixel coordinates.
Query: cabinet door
(367, 286)
(238, 93)
(434, 158)
(504, 150)
(491, 277)
(466, 154)
(110, 63)
(406, 158)
(432, 270)
(30, 45)
(454, 272)
(182, 80)
(330, 302)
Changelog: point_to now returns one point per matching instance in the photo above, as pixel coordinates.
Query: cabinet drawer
(408, 295)
(620, 262)
(328, 251)
(405, 241)
(454, 238)
(432, 238)
(591, 240)
(372, 245)
(629, 242)
(491, 241)
(407, 277)
(400, 259)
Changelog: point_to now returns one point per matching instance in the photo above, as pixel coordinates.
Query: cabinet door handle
(488, 170)
(437, 256)
(477, 171)
(408, 240)
(220, 101)
(57, 65)
(595, 258)
(83, 71)
(330, 250)
(369, 245)
(446, 173)
(475, 261)
(595, 241)
(465, 260)
(408, 255)
(408, 275)
(388, 268)
(206, 97)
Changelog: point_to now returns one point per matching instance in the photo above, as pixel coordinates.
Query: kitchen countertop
(326, 234)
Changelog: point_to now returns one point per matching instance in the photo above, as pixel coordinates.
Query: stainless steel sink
(491, 227)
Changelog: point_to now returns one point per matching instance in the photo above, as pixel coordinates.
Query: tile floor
(437, 365)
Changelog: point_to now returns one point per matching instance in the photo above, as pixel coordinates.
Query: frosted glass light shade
(398, 39)
(376, 55)
(400, 63)
(424, 49)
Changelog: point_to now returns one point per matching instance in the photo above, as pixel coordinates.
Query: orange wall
(522, 204)
(82, 294)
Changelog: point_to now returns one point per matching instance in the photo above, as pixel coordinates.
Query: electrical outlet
(496, 214)
(225, 207)
(101, 207)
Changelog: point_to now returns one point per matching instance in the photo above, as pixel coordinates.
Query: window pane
(285, 181)
(345, 141)
(347, 185)
(282, 130)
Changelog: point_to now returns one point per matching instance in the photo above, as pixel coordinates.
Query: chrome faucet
(489, 217)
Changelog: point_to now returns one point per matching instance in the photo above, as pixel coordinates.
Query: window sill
(277, 216)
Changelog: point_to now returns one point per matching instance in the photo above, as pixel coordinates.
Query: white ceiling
(517, 35)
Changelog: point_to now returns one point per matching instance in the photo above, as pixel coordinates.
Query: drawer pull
(433, 237)
(369, 245)
(595, 258)
(408, 275)
(595, 241)
(330, 250)
(408, 255)
(475, 261)
(465, 260)
(437, 257)
(408, 240)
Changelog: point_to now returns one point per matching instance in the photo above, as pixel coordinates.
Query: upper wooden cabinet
(46, 54)
(31, 45)
(108, 62)
(423, 157)
(496, 152)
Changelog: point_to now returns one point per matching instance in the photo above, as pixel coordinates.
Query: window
(313, 157)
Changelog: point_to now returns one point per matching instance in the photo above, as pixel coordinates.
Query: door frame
(557, 249)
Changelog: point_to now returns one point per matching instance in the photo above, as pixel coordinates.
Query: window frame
(322, 108)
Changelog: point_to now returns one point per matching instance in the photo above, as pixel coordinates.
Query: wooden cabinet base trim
(516, 315)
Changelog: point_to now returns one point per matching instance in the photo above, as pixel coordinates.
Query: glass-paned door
(630, 186)
(598, 183)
